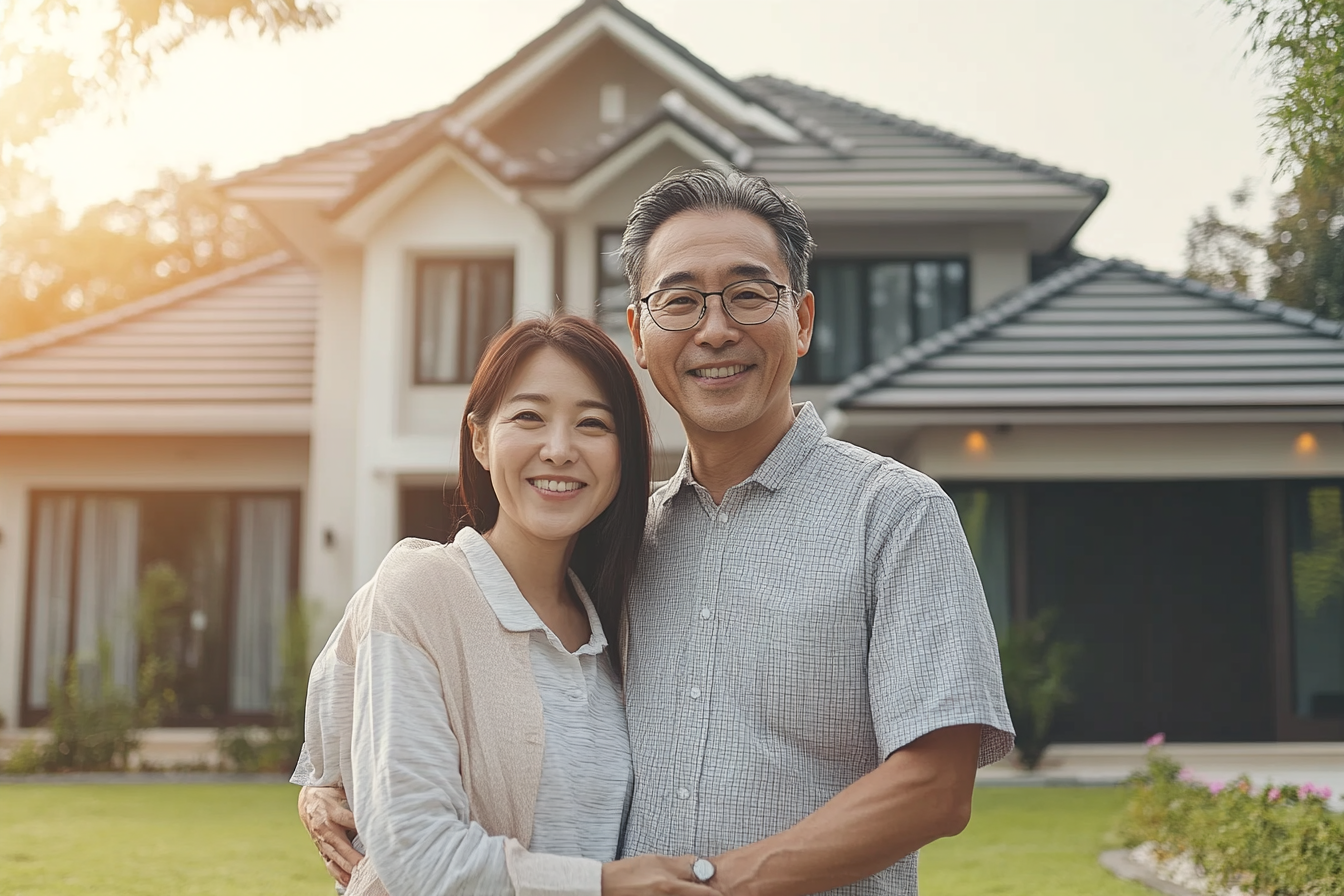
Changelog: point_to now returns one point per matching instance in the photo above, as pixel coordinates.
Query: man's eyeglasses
(747, 302)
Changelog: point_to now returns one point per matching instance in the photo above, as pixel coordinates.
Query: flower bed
(1280, 840)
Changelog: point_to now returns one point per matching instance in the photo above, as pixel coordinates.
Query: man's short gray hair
(714, 189)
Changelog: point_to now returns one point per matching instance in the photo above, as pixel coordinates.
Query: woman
(484, 749)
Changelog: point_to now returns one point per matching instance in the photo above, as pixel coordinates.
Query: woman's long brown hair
(608, 548)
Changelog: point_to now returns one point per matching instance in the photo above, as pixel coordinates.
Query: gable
(560, 121)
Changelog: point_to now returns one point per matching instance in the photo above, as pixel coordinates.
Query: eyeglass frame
(704, 303)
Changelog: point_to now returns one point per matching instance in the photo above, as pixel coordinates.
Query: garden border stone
(1118, 862)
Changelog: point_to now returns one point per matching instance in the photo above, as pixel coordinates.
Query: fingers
(339, 874)
(336, 847)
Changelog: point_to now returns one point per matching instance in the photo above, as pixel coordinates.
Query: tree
(1302, 44)
(179, 229)
(61, 58)
(1222, 252)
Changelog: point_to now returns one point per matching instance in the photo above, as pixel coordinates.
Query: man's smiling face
(721, 376)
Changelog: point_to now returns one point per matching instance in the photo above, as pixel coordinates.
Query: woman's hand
(330, 824)
(652, 874)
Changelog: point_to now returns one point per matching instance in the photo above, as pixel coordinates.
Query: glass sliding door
(1316, 545)
(202, 581)
(985, 519)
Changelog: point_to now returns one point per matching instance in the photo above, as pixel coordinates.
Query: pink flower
(1186, 775)
(1273, 795)
(1156, 740)
(1215, 787)
(1323, 792)
(1306, 789)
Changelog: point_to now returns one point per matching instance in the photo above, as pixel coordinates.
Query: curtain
(263, 540)
(53, 554)
(106, 591)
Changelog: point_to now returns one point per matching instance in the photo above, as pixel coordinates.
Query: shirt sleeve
(409, 801)
(933, 660)
(327, 715)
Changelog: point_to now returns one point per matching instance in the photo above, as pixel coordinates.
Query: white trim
(492, 104)
(577, 194)
(839, 422)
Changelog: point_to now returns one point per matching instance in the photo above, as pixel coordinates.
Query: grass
(1027, 841)
(152, 839)
(218, 839)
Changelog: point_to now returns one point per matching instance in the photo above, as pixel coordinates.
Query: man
(812, 674)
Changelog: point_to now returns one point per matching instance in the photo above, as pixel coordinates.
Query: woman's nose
(558, 447)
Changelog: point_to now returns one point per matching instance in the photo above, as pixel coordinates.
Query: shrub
(1278, 840)
(1035, 680)
(275, 748)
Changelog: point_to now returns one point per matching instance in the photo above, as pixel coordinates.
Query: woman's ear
(478, 445)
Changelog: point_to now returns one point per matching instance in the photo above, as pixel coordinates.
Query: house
(271, 430)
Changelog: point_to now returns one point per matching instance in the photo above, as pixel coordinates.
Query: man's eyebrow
(740, 271)
(539, 398)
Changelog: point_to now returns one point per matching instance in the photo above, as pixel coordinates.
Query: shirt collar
(515, 614)
(803, 436)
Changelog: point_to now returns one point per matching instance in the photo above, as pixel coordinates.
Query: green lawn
(226, 839)
(1028, 841)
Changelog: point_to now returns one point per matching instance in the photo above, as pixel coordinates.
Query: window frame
(806, 374)
(607, 318)
(29, 715)
(421, 265)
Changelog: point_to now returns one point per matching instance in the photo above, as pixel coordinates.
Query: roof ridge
(1264, 307)
(1094, 185)
(837, 143)
(1008, 306)
(154, 302)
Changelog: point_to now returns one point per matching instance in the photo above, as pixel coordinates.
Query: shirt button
(723, 517)
(695, 693)
(705, 614)
(683, 793)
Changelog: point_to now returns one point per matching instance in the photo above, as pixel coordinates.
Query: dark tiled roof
(852, 137)
(1114, 334)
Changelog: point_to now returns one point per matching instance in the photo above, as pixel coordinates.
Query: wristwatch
(702, 870)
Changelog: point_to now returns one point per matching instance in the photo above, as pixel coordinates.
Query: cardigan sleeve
(409, 801)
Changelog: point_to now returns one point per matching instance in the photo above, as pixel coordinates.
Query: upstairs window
(460, 304)
(613, 292)
(869, 310)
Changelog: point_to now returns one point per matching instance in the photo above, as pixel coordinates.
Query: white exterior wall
(328, 569)
(1134, 452)
(402, 429)
(1000, 262)
(29, 463)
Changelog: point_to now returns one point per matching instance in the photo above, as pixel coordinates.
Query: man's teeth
(718, 373)
(555, 485)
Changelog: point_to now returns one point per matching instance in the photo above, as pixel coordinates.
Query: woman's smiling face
(550, 448)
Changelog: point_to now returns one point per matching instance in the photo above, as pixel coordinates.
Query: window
(460, 304)
(1316, 539)
(202, 580)
(869, 310)
(424, 511)
(613, 291)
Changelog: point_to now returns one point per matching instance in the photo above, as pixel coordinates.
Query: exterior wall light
(1305, 445)
(976, 443)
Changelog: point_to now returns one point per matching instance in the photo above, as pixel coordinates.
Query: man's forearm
(921, 793)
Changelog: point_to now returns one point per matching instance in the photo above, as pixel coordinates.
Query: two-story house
(1163, 464)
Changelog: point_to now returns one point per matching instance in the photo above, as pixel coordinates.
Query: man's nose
(716, 328)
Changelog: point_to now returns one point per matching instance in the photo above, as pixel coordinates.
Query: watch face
(702, 870)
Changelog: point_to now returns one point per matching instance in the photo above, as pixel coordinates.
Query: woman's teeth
(555, 485)
(718, 373)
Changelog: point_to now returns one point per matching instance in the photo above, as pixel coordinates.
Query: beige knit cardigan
(425, 594)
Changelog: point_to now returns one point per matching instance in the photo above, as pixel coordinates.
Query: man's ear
(478, 445)
(807, 312)
(632, 321)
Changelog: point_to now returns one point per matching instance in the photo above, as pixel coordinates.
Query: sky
(1155, 96)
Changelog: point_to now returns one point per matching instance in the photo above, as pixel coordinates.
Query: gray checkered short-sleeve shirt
(784, 643)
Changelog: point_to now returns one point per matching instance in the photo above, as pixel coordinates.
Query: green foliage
(1280, 841)
(1220, 251)
(1306, 243)
(1302, 45)
(275, 748)
(1036, 670)
(1318, 572)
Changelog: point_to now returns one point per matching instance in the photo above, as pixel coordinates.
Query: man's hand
(643, 875)
(330, 824)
